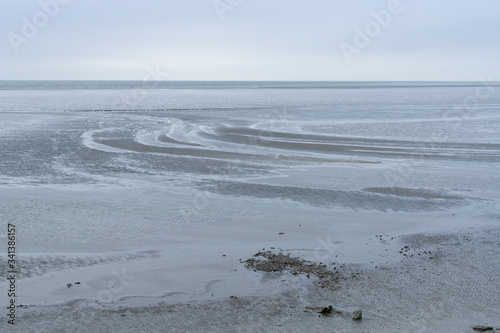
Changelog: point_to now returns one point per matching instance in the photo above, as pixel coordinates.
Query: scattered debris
(357, 315)
(267, 261)
(69, 285)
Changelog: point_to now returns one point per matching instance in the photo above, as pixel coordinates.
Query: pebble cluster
(267, 261)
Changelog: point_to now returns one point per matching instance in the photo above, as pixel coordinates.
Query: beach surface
(140, 214)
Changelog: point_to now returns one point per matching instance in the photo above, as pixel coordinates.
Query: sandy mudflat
(151, 208)
(442, 283)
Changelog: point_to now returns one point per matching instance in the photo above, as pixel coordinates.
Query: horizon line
(128, 80)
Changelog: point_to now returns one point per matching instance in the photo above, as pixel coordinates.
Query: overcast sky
(250, 39)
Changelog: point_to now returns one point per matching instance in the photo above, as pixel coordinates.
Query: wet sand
(141, 217)
(442, 283)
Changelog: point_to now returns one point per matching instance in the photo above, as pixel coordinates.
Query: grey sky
(257, 40)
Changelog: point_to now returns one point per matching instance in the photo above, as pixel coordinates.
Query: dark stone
(480, 328)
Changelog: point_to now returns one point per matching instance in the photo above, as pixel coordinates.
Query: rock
(480, 328)
(357, 315)
(69, 285)
(325, 311)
